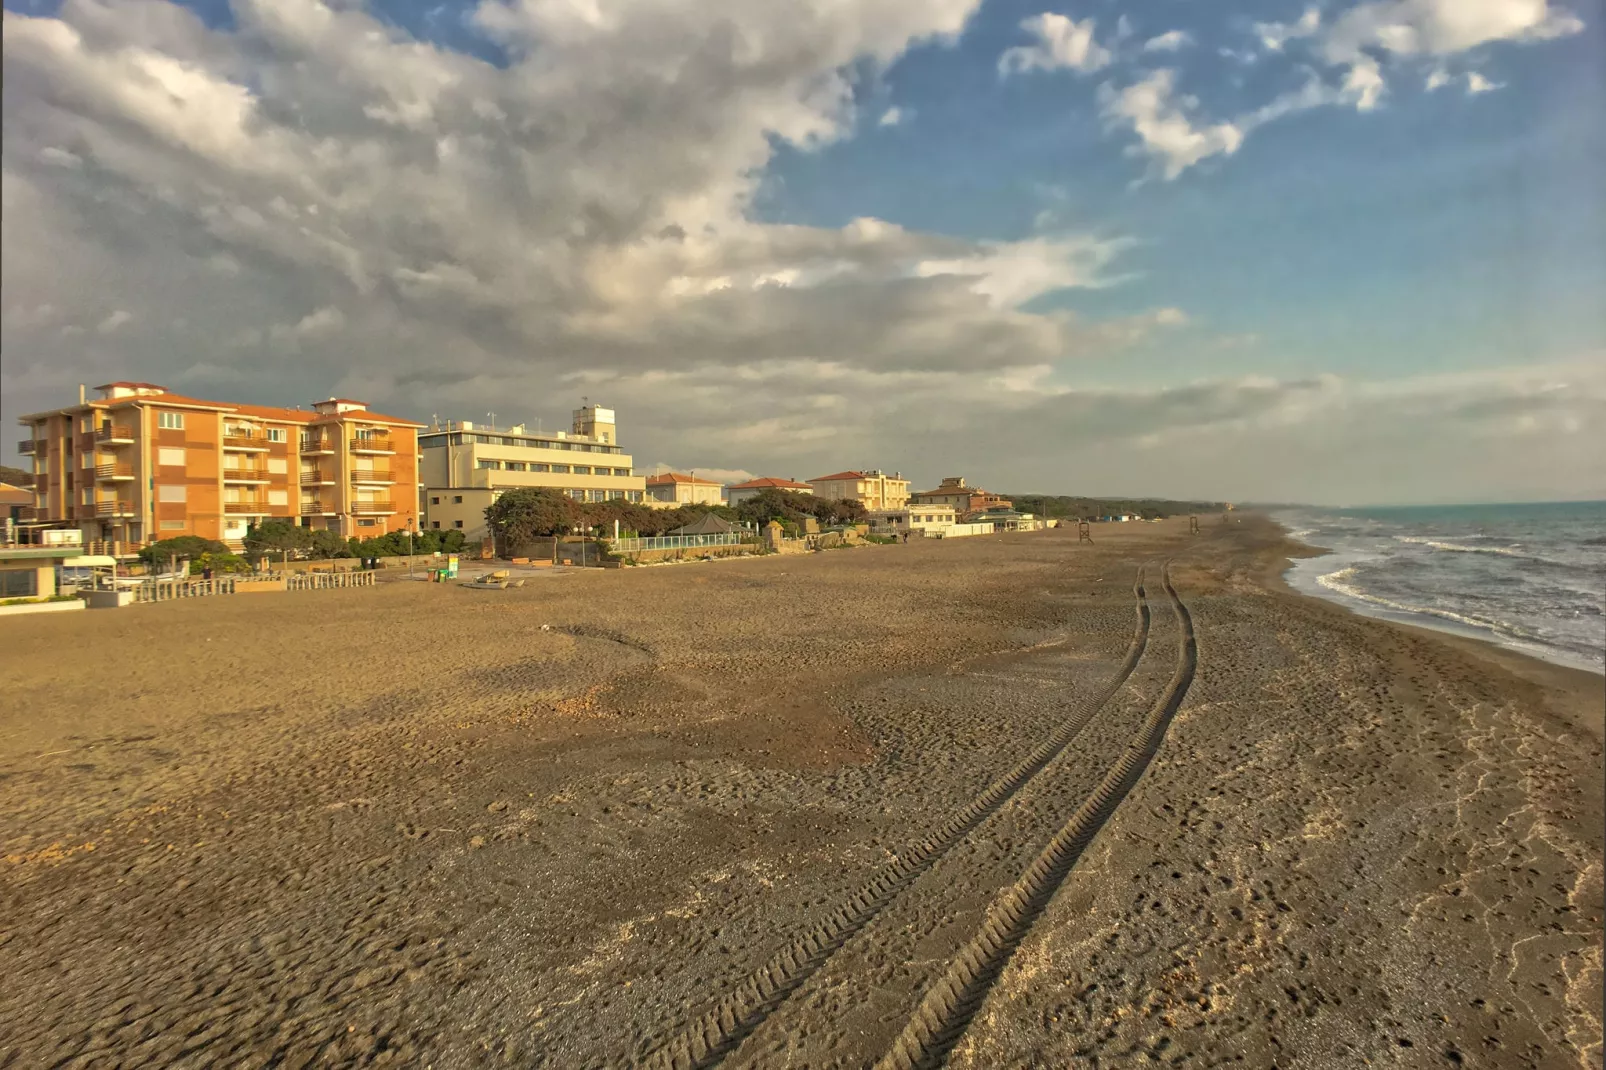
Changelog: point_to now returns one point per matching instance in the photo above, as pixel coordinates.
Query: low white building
(916, 519)
(668, 490)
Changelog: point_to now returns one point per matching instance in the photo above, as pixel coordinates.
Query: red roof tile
(668, 478)
(769, 481)
(839, 477)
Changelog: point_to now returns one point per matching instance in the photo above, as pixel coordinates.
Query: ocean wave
(1460, 548)
(1339, 583)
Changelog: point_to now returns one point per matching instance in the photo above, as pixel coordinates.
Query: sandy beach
(996, 802)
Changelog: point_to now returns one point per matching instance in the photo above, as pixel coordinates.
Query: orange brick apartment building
(142, 463)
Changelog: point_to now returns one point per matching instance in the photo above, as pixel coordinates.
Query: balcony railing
(28, 445)
(249, 508)
(318, 444)
(244, 442)
(310, 478)
(114, 508)
(372, 476)
(116, 434)
(245, 475)
(372, 445)
(314, 508)
(373, 507)
(114, 471)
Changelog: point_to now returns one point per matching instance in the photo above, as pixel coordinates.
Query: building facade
(465, 467)
(737, 493)
(141, 463)
(873, 489)
(915, 519)
(671, 489)
(962, 498)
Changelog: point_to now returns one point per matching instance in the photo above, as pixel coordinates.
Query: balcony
(372, 444)
(114, 508)
(363, 508)
(317, 478)
(245, 442)
(318, 444)
(315, 507)
(115, 435)
(114, 471)
(372, 476)
(246, 508)
(28, 445)
(245, 475)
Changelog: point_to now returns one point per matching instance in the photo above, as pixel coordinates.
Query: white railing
(167, 590)
(318, 581)
(674, 542)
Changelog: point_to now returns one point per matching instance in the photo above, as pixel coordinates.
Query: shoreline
(1577, 696)
(1419, 620)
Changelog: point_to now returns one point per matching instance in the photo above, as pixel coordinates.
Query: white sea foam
(1340, 583)
(1459, 548)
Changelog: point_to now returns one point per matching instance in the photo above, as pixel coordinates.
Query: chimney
(81, 393)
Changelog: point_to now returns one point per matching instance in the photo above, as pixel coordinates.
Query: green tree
(157, 554)
(275, 537)
(519, 517)
(452, 541)
(323, 543)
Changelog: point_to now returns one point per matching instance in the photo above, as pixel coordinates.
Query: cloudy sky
(1351, 252)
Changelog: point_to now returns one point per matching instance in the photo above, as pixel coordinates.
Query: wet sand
(989, 801)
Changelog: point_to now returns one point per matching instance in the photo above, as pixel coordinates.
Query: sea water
(1531, 577)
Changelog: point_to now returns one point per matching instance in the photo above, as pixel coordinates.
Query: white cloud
(1441, 27)
(1172, 41)
(1062, 42)
(113, 321)
(891, 117)
(1161, 119)
(1438, 78)
(1273, 35)
(1477, 83)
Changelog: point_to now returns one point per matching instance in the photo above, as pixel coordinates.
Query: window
(582, 470)
(171, 456)
(172, 525)
(457, 499)
(434, 500)
(278, 497)
(275, 434)
(621, 471)
(540, 467)
(435, 523)
(170, 421)
(172, 492)
(560, 469)
(279, 465)
(86, 460)
(515, 466)
(457, 523)
(484, 463)
(366, 523)
(19, 583)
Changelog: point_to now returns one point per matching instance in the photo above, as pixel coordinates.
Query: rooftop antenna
(492, 417)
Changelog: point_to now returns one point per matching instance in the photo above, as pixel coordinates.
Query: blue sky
(1191, 243)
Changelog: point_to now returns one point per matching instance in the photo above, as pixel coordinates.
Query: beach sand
(803, 812)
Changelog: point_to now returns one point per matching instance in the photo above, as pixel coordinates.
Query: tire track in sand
(717, 1033)
(950, 1004)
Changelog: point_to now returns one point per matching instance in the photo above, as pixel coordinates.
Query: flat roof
(28, 553)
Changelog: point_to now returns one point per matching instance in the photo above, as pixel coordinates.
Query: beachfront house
(962, 498)
(737, 493)
(669, 490)
(872, 488)
(921, 520)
